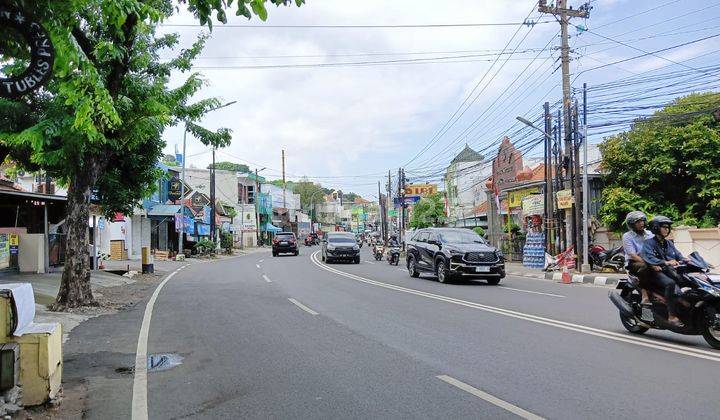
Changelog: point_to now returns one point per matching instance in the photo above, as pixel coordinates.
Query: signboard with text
(533, 205)
(515, 198)
(417, 190)
(564, 199)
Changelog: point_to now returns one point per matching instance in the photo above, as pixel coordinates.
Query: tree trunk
(75, 284)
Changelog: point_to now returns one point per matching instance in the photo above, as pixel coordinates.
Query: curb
(576, 278)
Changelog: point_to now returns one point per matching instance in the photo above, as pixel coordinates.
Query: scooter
(600, 258)
(378, 252)
(698, 305)
(393, 257)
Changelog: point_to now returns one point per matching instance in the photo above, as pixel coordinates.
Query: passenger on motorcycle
(393, 241)
(633, 241)
(662, 256)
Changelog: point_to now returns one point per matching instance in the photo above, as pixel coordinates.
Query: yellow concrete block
(41, 364)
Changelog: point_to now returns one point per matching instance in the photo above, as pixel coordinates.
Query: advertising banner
(533, 205)
(420, 190)
(564, 199)
(515, 198)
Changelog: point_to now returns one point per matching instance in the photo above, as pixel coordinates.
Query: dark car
(340, 246)
(452, 254)
(284, 243)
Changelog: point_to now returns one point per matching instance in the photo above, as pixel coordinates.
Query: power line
(402, 26)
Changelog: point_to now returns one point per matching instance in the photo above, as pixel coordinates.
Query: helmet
(658, 221)
(633, 218)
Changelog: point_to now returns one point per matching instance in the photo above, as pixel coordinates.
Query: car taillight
(275, 241)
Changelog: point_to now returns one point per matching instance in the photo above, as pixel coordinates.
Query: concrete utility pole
(380, 207)
(585, 188)
(257, 203)
(549, 212)
(388, 203)
(212, 198)
(564, 13)
(283, 174)
(181, 234)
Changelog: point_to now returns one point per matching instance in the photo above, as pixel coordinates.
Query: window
(433, 237)
(421, 237)
(461, 236)
(250, 194)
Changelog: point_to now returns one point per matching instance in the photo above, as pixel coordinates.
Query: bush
(480, 231)
(226, 241)
(204, 246)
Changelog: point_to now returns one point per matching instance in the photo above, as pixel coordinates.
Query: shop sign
(203, 229)
(533, 205)
(14, 239)
(506, 165)
(564, 199)
(42, 53)
(420, 190)
(4, 250)
(175, 189)
(515, 197)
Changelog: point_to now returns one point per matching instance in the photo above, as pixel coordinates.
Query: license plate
(482, 269)
(283, 243)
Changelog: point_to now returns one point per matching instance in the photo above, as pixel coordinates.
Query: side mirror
(433, 242)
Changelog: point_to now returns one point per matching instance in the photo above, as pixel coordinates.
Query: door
(431, 249)
(421, 244)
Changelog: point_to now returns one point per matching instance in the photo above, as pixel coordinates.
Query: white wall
(226, 184)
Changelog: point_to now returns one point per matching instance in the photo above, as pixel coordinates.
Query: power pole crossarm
(582, 12)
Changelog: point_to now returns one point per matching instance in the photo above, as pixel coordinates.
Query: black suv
(284, 243)
(340, 246)
(453, 253)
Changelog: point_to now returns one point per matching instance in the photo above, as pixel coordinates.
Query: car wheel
(443, 274)
(297, 253)
(493, 281)
(357, 260)
(412, 269)
(322, 257)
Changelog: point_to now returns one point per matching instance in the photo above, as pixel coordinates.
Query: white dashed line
(261, 261)
(531, 291)
(257, 265)
(266, 279)
(369, 262)
(303, 307)
(489, 398)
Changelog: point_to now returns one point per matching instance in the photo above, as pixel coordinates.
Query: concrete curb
(596, 279)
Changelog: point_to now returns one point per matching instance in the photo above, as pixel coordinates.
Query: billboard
(417, 190)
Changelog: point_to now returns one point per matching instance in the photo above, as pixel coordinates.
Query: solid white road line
(489, 398)
(532, 291)
(139, 399)
(266, 279)
(610, 335)
(257, 265)
(303, 307)
(369, 262)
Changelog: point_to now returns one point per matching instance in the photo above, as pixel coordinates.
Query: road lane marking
(266, 278)
(489, 398)
(369, 262)
(610, 335)
(532, 291)
(303, 307)
(139, 396)
(401, 269)
(257, 265)
(261, 260)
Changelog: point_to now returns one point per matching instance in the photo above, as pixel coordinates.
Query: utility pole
(585, 189)
(388, 204)
(380, 207)
(257, 203)
(576, 183)
(564, 14)
(181, 235)
(283, 175)
(401, 201)
(549, 219)
(212, 198)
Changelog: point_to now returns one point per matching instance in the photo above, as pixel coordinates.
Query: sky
(346, 126)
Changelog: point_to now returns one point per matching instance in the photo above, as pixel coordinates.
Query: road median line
(489, 398)
(303, 307)
(669, 347)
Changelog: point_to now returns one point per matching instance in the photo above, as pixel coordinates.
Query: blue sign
(406, 200)
(202, 229)
(101, 223)
(13, 249)
(207, 211)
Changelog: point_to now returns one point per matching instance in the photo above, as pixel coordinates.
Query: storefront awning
(269, 227)
(164, 210)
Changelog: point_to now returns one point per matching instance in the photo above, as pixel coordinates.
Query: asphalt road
(291, 337)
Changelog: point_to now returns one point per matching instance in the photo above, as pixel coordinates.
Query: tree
(97, 124)
(311, 194)
(429, 211)
(666, 164)
(170, 160)
(230, 166)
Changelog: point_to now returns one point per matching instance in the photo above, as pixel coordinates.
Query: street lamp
(182, 184)
(531, 125)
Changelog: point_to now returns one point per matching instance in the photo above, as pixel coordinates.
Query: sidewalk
(600, 279)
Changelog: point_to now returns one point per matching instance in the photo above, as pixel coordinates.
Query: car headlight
(456, 252)
(356, 248)
(331, 247)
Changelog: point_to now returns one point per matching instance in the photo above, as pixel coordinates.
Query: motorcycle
(600, 258)
(378, 251)
(698, 304)
(393, 257)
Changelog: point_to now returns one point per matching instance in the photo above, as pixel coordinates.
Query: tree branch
(120, 68)
(85, 44)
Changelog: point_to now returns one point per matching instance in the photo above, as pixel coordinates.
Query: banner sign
(189, 224)
(515, 198)
(564, 199)
(203, 229)
(42, 54)
(406, 200)
(533, 205)
(420, 190)
(175, 189)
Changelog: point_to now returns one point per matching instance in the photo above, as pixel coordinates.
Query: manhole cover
(163, 361)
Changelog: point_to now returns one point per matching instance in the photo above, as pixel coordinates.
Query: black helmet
(658, 221)
(633, 217)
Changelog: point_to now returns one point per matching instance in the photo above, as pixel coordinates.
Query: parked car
(452, 254)
(340, 246)
(284, 243)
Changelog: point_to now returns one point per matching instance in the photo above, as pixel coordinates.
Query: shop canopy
(269, 227)
(163, 210)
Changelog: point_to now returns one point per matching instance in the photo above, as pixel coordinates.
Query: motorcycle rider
(661, 256)
(633, 241)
